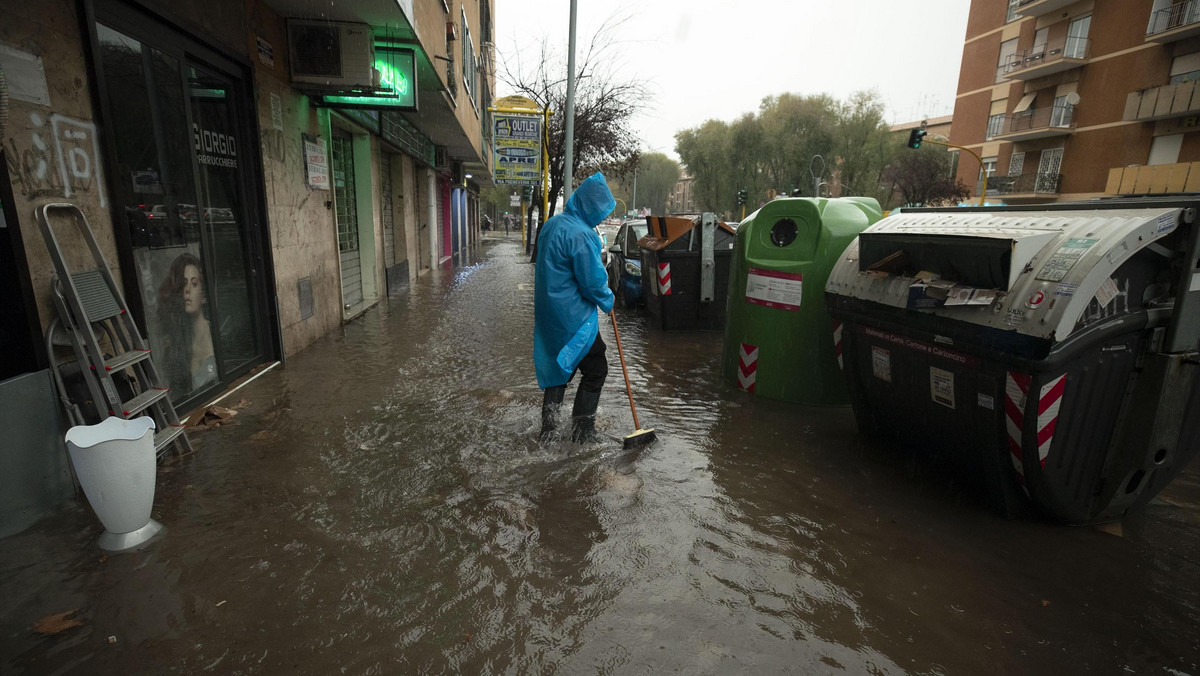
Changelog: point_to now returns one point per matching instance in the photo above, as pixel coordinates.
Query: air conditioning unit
(332, 54)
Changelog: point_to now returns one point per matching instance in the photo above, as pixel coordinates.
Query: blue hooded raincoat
(570, 283)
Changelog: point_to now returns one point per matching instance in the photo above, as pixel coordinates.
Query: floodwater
(382, 506)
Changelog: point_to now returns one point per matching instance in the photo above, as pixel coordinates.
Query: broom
(640, 437)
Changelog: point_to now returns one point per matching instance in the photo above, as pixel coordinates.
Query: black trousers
(593, 367)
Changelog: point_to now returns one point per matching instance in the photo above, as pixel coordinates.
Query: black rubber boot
(583, 416)
(551, 401)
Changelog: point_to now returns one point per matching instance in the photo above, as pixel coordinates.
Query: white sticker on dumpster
(881, 363)
(941, 386)
(1107, 292)
(1064, 259)
(774, 289)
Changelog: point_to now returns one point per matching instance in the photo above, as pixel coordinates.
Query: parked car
(625, 262)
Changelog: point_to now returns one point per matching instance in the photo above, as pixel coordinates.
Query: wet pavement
(383, 506)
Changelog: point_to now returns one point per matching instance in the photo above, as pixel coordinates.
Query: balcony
(1157, 179)
(1025, 186)
(1048, 58)
(1041, 7)
(1038, 123)
(1179, 21)
(1161, 103)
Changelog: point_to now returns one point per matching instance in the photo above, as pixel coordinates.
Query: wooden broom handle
(624, 371)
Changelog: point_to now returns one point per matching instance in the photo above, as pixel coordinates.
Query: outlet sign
(397, 73)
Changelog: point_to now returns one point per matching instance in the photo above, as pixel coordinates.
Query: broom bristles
(639, 438)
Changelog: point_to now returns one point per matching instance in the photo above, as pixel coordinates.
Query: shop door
(185, 195)
(386, 212)
(421, 213)
(346, 212)
(444, 216)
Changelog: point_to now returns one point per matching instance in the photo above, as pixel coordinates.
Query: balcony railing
(1047, 58)
(1039, 123)
(1176, 16)
(1024, 184)
(1040, 7)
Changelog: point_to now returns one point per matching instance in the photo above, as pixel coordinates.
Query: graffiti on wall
(61, 159)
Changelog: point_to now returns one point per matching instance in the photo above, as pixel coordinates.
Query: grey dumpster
(1052, 347)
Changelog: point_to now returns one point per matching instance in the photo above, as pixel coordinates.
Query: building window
(1077, 38)
(1008, 50)
(468, 60)
(988, 168)
(995, 125)
(1016, 164)
(1012, 11)
(1185, 68)
(1165, 149)
(1063, 112)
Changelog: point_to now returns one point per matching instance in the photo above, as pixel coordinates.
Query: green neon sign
(397, 71)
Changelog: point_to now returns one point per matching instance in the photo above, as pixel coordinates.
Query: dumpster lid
(1033, 272)
(667, 229)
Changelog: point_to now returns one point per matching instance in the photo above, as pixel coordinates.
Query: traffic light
(915, 136)
(741, 197)
(527, 193)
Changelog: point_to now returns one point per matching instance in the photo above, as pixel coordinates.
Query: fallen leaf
(262, 435)
(242, 403)
(1045, 603)
(56, 624)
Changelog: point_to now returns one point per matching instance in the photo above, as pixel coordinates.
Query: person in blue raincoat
(570, 286)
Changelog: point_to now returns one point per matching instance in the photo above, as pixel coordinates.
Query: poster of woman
(188, 359)
(177, 312)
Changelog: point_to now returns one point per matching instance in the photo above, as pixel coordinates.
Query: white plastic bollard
(115, 463)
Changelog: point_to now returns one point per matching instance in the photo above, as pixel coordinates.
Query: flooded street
(383, 506)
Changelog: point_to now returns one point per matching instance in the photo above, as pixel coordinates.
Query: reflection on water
(384, 507)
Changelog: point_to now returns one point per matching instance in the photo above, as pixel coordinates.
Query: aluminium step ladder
(90, 303)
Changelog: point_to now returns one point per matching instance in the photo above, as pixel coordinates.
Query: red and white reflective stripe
(747, 367)
(664, 278)
(837, 342)
(1016, 390)
(1048, 404)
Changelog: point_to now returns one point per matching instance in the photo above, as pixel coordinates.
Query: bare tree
(605, 103)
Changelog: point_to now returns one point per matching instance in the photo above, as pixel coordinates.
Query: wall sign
(316, 163)
(517, 149)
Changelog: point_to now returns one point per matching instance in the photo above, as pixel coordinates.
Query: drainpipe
(435, 253)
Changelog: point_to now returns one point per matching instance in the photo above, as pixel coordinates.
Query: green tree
(705, 151)
(656, 175)
(797, 128)
(863, 145)
(924, 177)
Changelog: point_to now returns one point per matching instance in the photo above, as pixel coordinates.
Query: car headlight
(633, 268)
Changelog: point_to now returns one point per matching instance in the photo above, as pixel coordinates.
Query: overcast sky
(708, 59)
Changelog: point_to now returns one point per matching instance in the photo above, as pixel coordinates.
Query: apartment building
(305, 159)
(681, 200)
(1073, 100)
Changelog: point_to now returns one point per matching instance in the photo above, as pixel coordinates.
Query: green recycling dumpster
(688, 264)
(778, 336)
(1052, 349)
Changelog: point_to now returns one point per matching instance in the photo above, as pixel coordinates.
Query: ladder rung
(129, 358)
(143, 401)
(168, 434)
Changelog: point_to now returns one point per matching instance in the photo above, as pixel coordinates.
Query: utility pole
(568, 170)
